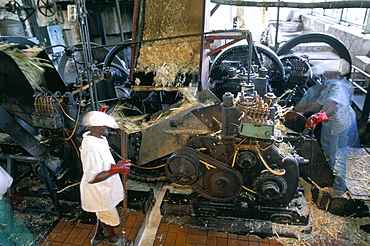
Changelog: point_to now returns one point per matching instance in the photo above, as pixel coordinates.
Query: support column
(367, 23)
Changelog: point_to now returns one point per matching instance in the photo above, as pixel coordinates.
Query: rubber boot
(99, 234)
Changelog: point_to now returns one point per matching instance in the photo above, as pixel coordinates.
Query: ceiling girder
(324, 5)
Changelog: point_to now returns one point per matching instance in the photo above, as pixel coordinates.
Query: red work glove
(122, 166)
(315, 119)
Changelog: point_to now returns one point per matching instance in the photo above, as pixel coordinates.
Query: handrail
(354, 83)
(365, 111)
(359, 87)
(363, 72)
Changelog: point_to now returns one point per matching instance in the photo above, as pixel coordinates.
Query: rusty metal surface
(165, 137)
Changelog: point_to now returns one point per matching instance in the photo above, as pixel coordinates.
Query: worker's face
(104, 131)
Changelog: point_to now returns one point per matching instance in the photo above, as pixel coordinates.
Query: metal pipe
(87, 51)
(363, 121)
(215, 8)
(202, 59)
(124, 156)
(250, 52)
(128, 42)
(133, 38)
(118, 8)
(361, 71)
(277, 27)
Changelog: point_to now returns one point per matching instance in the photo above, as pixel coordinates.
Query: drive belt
(220, 183)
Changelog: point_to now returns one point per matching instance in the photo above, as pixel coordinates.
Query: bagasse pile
(358, 172)
(171, 57)
(27, 60)
(328, 229)
(138, 123)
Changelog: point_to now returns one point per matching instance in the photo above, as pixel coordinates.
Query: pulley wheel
(270, 186)
(246, 159)
(183, 167)
(221, 184)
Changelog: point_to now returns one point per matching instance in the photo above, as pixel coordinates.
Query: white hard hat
(96, 118)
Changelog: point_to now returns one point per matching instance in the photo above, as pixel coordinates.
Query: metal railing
(360, 79)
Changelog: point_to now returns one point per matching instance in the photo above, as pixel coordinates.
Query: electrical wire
(279, 172)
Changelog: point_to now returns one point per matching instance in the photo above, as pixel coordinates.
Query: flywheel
(183, 167)
(222, 184)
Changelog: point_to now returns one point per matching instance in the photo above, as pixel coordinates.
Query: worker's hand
(315, 119)
(125, 166)
(294, 115)
(122, 166)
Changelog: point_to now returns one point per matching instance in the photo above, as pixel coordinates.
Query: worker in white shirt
(101, 187)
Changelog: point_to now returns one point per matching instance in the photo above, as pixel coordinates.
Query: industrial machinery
(244, 165)
(232, 153)
(35, 126)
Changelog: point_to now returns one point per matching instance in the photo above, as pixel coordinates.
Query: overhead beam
(310, 5)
